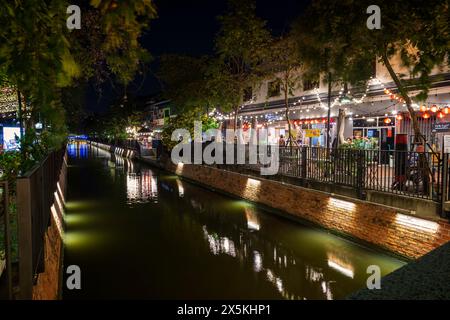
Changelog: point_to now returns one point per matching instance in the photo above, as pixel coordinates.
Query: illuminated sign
(10, 138)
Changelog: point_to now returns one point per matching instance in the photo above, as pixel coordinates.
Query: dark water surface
(137, 232)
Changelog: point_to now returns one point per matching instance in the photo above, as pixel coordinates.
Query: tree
(40, 56)
(416, 31)
(107, 44)
(186, 120)
(240, 47)
(35, 54)
(284, 60)
(328, 51)
(185, 81)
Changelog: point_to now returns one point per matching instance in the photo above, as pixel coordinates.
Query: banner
(312, 133)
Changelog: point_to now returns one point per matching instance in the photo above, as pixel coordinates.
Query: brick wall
(383, 226)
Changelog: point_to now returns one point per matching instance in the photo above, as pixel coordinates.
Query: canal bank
(390, 228)
(140, 232)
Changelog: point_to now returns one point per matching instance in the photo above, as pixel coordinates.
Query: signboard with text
(441, 127)
(312, 133)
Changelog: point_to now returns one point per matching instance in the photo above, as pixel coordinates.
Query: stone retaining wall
(386, 227)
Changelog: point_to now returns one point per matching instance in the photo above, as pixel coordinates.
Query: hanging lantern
(446, 110)
(426, 115)
(300, 122)
(324, 121)
(440, 115)
(434, 108)
(316, 121)
(387, 121)
(423, 108)
(399, 117)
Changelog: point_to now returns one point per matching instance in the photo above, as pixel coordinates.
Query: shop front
(380, 131)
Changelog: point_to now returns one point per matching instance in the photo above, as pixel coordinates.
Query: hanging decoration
(8, 100)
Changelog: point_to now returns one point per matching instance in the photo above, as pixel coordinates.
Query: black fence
(6, 289)
(35, 196)
(413, 174)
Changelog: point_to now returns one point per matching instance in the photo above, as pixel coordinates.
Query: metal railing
(421, 175)
(413, 174)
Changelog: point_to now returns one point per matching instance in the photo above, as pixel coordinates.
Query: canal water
(138, 232)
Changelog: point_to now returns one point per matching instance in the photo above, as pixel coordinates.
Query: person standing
(281, 141)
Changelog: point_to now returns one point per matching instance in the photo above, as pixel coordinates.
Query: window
(248, 94)
(166, 113)
(273, 89)
(310, 85)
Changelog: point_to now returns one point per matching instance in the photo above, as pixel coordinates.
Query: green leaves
(241, 46)
(185, 120)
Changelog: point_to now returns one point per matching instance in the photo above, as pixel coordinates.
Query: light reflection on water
(171, 239)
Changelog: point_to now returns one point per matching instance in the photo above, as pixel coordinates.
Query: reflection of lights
(252, 219)
(257, 261)
(218, 245)
(341, 204)
(77, 220)
(276, 281)
(252, 225)
(342, 269)
(326, 290)
(142, 187)
(279, 285)
(417, 223)
(180, 188)
(313, 275)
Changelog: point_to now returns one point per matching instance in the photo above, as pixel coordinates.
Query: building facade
(374, 111)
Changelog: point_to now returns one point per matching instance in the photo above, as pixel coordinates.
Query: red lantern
(434, 108)
(440, 115)
(387, 120)
(426, 115)
(423, 108)
(399, 117)
(324, 121)
(446, 110)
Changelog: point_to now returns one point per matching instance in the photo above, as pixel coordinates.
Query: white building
(371, 110)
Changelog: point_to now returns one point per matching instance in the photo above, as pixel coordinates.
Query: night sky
(189, 27)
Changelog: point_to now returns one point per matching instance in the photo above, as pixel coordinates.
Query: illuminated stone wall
(383, 226)
(48, 282)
